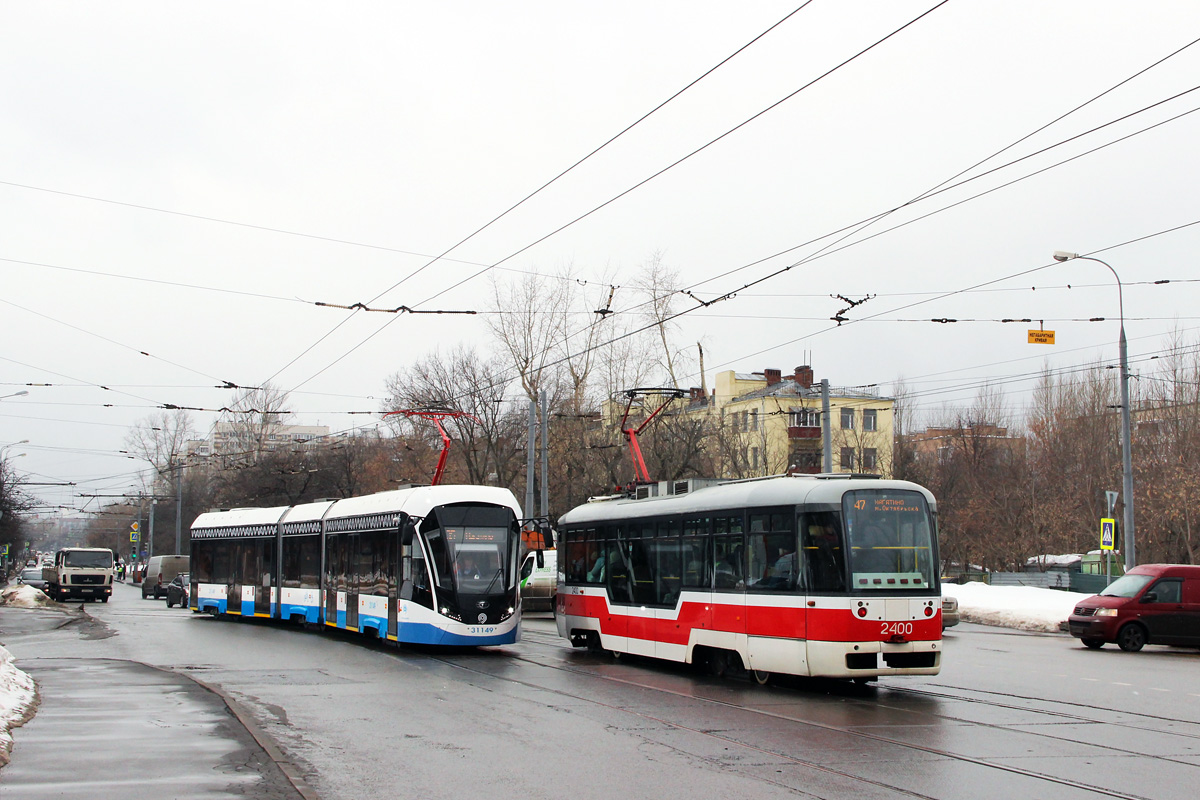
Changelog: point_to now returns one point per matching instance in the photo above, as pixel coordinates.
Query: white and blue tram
(423, 565)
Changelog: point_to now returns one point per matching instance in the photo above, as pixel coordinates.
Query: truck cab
(80, 572)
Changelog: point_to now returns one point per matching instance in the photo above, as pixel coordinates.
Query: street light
(1126, 441)
(21, 393)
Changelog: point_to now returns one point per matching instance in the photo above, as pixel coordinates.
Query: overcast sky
(187, 180)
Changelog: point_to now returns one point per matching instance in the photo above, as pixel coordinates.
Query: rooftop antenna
(437, 415)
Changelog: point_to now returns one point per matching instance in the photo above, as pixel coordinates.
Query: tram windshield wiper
(488, 590)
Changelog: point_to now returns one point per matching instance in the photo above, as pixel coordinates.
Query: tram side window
(222, 562)
(335, 563)
(301, 562)
(576, 555)
(824, 556)
(202, 560)
(371, 545)
(771, 553)
(595, 563)
(620, 589)
(266, 562)
(668, 563)
(697, 562)
(729, 555)
(641, 571)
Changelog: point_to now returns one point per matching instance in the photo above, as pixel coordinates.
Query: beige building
(766, 423)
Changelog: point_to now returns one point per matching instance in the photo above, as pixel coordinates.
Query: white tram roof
(308, 512)
(778, 490)
(239, 516)
(418, 501)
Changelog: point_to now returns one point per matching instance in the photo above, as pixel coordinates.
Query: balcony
(804, 432)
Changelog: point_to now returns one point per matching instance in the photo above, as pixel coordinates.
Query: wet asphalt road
(1011, 715)
(113, 728)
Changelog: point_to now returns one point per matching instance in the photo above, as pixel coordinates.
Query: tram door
(335, 575)
(394, 571)
(353, 580)
(233, 589)
(266, 573)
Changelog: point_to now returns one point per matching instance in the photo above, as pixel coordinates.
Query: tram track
(544, 640)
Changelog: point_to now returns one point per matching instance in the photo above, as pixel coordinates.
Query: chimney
(804, 377)
(773, 376)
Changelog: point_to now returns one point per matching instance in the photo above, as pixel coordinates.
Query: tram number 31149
(896, 629)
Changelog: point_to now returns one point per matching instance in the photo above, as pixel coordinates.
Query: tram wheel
(718, 663)
(761, 676)
(615, 655)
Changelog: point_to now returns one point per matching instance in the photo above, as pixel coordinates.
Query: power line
(613, 199)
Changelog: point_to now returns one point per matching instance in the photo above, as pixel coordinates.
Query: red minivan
(1150, 604)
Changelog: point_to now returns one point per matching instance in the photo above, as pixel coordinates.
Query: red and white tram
(821, 575)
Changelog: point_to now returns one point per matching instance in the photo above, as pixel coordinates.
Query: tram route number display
(888, 505)
(475, 535)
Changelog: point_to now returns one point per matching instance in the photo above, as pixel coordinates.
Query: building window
(869, 421)
(870, 459)
(847, 419)
(804, 418)
(753, 458)
(754, 419)
(847, 458)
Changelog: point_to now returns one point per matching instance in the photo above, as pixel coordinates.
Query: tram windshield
(473, 550)
(890, 537)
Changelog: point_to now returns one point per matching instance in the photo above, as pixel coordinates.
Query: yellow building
(766, 423)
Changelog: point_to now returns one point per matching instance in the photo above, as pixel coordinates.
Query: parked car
(33, 577)
(179, 590)
(1150, 604)
(949, 612)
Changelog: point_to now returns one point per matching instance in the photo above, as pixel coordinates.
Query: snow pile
(24, 596)
(1025, 607)
(17, 698)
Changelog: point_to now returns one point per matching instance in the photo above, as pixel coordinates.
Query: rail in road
(1127, 754)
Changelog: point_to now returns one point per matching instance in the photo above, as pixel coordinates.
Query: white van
(539, 584)
(160, 571)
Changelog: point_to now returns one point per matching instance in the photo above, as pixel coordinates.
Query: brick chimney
(804, 377)
(773, 376)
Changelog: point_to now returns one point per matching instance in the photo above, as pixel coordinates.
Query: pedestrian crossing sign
(1108, 533)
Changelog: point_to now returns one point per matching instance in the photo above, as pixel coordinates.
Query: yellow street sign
(1041, 337)
(133, 526)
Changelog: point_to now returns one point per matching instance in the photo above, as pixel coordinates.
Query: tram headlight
(445, 611)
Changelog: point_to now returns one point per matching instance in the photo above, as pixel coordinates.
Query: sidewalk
(112, 729)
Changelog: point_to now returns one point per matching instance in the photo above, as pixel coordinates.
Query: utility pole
(150, 543)
(530, 455)
(826, 429)
(178, 508)
(545, 456)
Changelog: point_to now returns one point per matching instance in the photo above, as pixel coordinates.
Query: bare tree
(528, 320)
(251, 420)
(487, 441)
(659, 286)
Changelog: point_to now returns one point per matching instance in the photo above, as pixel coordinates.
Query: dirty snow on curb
(16, 698)
(1027, 608)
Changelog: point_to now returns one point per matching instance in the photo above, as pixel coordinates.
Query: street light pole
(21, 393)
(1126, 439)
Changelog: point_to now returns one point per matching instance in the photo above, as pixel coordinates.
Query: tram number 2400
(896, 629)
